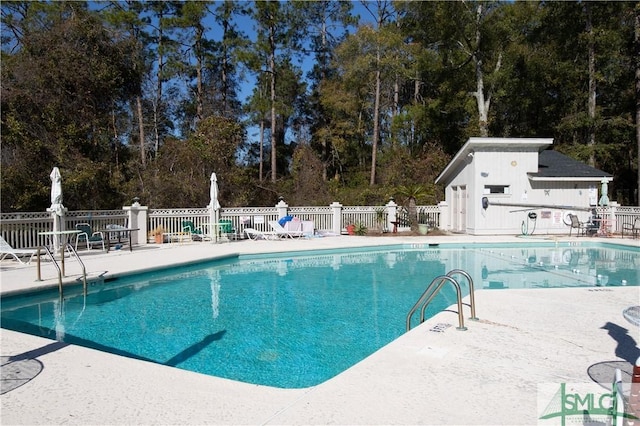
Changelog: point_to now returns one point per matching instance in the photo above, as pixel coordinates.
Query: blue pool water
(298, 319)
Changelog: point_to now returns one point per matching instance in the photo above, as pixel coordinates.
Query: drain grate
(440, 327)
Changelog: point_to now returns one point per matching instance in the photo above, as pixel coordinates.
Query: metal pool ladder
(434, 287)
(61, 272)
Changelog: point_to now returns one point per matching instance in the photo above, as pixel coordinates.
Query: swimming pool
(298, 319)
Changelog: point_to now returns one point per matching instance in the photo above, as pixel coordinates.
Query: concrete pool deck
(434, 374)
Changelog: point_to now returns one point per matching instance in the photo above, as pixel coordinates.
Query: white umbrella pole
(216, 226)
(215, 207)
(212, 225)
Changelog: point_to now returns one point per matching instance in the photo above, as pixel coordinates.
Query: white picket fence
(22, 230)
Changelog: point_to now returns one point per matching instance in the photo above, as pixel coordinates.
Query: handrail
(53, 260)
(430, 292)
(472, 298)
(61, 273)
(84, 269)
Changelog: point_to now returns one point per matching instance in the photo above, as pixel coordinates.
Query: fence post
(283, 208)
(614, 218)
(137, 218)
(443, 220)
(392, 211)
(336, 207)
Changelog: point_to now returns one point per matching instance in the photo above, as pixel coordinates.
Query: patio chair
(594, 224)
(576, 224)
(282, 232)
(7, 250)
(634, 228)
(254, 234)
(227, 229)
(196, 233)
(88, 236)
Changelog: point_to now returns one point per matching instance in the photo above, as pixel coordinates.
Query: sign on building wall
(593, 195)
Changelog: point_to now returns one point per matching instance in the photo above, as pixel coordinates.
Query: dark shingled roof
(554, 164)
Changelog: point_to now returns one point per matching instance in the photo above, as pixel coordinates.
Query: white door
(462, 215)
(454, 208)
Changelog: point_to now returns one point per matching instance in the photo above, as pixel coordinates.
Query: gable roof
(553, 165)
(490, 144)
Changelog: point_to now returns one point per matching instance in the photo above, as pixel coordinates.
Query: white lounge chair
(7, 250)
(282, 232)
(254, 234)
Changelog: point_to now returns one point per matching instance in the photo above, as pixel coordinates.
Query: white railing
(625, 215)
(21, 230)
(322, 217)
(370, 216)
(171, 220)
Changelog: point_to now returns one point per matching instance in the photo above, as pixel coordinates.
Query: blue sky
(247, 25)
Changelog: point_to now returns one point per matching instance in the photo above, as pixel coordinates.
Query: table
(606, 226)
(632, 314)
(110, 231)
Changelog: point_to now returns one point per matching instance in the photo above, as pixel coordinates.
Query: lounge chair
(634, 228)
(7, 250)
(88, 236)
(254, 234)
(282, 232)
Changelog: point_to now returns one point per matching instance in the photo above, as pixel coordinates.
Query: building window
(497, 189)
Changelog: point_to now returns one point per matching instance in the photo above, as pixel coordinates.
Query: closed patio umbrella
(56, 192)
(604, 198)
(214, 207)
(56, 209)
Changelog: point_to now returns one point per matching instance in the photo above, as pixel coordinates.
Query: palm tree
(409, 194)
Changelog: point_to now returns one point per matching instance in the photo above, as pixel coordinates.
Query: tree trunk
(592, 88)
(637, 49)
(483, 104)
(199, 67)
(323, 76)
(272, 69)
(157, 106)
(413, 214)
(273, 122)
(225, 64)
(376, 124)
(143, 155)
(261, 150)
